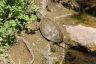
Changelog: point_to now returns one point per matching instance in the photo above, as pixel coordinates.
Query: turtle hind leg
(52, 48)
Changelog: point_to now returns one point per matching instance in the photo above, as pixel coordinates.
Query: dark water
(80, 56)
(92, 11)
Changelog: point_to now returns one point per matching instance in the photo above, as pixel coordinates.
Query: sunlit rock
(85, 36)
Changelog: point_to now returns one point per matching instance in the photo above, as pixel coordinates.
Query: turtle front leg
(51, 47)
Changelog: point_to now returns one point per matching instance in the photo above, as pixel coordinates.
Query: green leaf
(1, 39)
(12, 23)
(16, 17)
(33, 17)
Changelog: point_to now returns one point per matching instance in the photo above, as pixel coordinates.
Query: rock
(85, 36)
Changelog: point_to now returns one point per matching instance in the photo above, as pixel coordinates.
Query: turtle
(51, 32)
(48, 29)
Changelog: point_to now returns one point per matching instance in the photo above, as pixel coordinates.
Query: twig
(30, 50)
(28, 46)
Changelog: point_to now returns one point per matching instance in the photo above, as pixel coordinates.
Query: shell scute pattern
(50, 30)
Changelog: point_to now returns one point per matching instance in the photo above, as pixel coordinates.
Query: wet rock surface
(80, 57)
(85, 36)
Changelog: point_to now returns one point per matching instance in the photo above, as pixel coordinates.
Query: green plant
(13, 16)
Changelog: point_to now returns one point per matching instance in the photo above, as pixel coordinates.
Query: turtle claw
(52, 48)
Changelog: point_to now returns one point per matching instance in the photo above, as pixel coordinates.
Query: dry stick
(30, 50)
(28, 47)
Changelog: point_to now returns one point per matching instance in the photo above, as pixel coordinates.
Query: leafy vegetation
(13, 17)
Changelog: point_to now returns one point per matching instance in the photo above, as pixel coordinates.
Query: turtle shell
(50, 31)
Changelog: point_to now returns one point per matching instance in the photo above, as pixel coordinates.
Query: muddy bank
(19, 54)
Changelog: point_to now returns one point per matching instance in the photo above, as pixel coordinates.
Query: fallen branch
(28, 47)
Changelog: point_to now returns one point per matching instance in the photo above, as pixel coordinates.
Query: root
(28, 47)
(30, 50)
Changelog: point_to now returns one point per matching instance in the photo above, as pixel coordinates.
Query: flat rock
(85, 36)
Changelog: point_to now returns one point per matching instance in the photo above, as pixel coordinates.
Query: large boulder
(84, 36)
